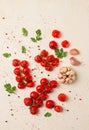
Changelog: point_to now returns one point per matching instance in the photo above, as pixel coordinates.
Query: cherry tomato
(38, 58)
(27, 78)
(49, 68)
(56, 33)
(15, 62)
(25, 71)
(17, 71)
(24, 63)
(21, 85)
(28, 101)
(18, 78)
(58, 108)
(65, 44)
(55, 62)
(50, 103)
(44, 81)
(40, 88)
(39, 102)
(53, 45)
(50, 58)
(62, 97)
(44, 63)
(34, 95)
(48, 89)
(44, 53)
(34, 110)
(43, 96)
(30, 84)
(53, 83)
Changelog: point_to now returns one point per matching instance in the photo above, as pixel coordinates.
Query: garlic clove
(74, 61)
(74, 51)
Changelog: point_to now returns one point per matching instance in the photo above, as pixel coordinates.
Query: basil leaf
(33, 39)
(47, 114)
(7, 55)
(23, 49)
(25, 32)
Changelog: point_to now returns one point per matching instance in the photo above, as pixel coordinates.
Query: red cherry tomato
(48, 89)
(25, 71)
(43, 96)
(53, 83)
(49, 68)
(24, 63)
(58, 108)
(55, 62)
(27, 78)
(30, 84)
(44, 53)
(34, 95)
(50, 58)
(17, 71)
(44, 63)
(15, 62)
(21, 85)
(28, 101)
(39, 102)
(56, 33)
(65, 44)
(40, 88)
(44, 81)
(62, 97)
(53, 45)
(18, 78)
(50, 103)
(38, 58)
(34, 110)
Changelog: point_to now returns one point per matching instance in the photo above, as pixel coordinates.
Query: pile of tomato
(22, 72)
(47, 61)
(24, 78)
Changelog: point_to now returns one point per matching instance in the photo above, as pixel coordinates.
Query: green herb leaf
(38, 32)
(23, 49)
(25, 32)
(47, 114)
(60, 53)
(38, 38)
(9, 88)
(7, 55)
(33, 39)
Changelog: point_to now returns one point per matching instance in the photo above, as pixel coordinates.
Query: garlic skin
(66, 75)
(74, 61)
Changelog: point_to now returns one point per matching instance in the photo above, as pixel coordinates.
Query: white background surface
(71, 17)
